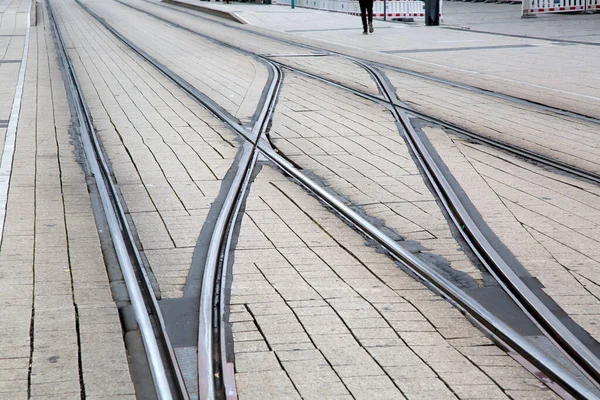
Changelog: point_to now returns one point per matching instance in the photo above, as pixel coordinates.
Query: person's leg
(370, 9)
(363, 16)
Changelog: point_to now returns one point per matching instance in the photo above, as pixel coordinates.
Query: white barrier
(592, 5)
(532, 7)
(393, 8)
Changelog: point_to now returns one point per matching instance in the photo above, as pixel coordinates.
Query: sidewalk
(61, 336)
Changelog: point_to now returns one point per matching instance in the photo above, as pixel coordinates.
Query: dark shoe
(371, 27)
(365, 32)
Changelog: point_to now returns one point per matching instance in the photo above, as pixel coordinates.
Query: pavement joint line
(436, 50)
(331, 29)
(9, 61)
(11, 133)
(554, 40)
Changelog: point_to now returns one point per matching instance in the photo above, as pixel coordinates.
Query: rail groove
(167, 378)
(486, 252)
(422, 269)
(394, 102)
(447, 82)
(217, 260)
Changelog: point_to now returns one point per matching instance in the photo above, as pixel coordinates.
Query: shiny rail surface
(394, 102)
(487, 254)
(447, 82)
(421, 268)
(218, 256)
(216, 375)
(168, 381)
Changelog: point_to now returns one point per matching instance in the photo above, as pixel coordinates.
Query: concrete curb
(218, 13)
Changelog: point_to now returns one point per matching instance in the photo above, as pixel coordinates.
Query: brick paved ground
(168, 154)
(233, 81)
(564, 79)
(316, 314)
(336, 68)
(61, 335)
(549, 221)
(355, 146)
(557, 136)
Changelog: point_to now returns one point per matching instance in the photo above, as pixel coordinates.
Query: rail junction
(271, 206)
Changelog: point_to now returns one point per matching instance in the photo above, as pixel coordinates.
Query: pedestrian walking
(366, 6)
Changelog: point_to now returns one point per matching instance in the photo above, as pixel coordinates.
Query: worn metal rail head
(469, 229)
(422, 269)
(168, 381)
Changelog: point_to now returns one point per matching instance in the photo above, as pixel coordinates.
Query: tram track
(477, 241)
(216, 375)
(172, 6)
(519, 151)
(162, 362)
(447, 288)
(214, 284)
(498, 144)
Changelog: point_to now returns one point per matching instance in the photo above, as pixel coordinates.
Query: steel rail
(218, 250)
(123, 241)
(537, 157)
(487, 92)
(486, 251)
(445, 287)
(206, 351)
(394, 102)
(421, 268)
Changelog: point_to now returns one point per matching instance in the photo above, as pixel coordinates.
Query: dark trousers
(366, 6)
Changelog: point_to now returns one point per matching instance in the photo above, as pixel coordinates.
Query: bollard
(293, 5)
(432, 12)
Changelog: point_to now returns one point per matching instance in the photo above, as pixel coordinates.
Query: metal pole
(384, 10)
(293, 5)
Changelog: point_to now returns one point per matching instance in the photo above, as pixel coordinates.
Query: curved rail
(531, 155)
(394, 102)
(218, 254)
(421, 268)
(486, 252)
(168, 385)
(487, 92)
(211, 352)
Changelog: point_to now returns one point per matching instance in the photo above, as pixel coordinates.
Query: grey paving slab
(312, 340)
(558, 137)
(336, 68)
(355, 147)
(232, 80)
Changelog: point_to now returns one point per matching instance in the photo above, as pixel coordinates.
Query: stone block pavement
(542, 70)
(316, 312)
(60, 332)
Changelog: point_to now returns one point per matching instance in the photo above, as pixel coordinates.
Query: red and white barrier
(393, 8)
(592, 5)
(533, 7)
